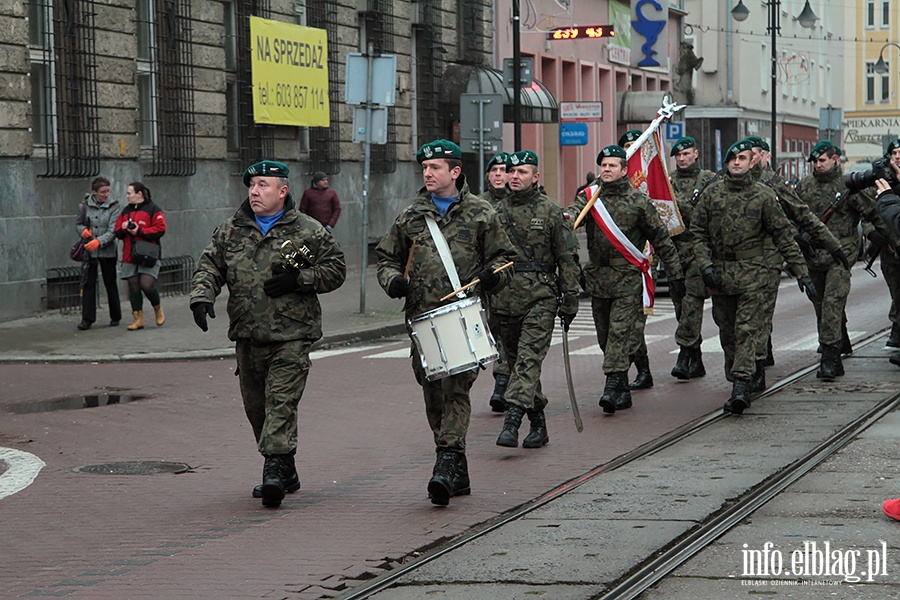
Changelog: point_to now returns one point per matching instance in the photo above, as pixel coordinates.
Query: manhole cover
(138, 467)
(73, 402)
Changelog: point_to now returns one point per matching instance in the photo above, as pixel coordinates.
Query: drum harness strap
(440, 242)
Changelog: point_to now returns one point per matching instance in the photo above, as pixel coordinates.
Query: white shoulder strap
(440, 242)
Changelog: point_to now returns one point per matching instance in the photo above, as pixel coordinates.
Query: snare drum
(453, 338)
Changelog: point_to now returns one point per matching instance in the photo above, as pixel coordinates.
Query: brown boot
(138, 320)
(160, 316)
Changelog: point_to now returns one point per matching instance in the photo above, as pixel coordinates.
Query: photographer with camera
(889, 200)
(840, 202)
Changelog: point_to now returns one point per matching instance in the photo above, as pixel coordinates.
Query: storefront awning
(537, 103)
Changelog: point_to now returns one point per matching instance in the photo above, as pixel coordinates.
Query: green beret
(438, 149)
(683, 144)
(614, 151)
(758, 142)
(819, 149)
(497, 159)
(522, 157)
(267, 168)
(630, 136)
(738, 146)
(891, 147)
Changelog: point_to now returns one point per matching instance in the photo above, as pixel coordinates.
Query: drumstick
(586, 208)
(476, 280)
(409, 260)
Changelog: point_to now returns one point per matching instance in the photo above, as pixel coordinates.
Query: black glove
(677, 289)
(489, 279)
(200, 310)
(877, 239)
(566, 319)
(806, 246)
(398, 287)
(284, 281)
(806, 285)
(841, 258)
(711, 277)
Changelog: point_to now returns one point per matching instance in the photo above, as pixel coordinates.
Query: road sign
(378, 135)
(487, 126)
(674, 131)
(526, 68)
(573, 134)
(384, 79)
(580, 112)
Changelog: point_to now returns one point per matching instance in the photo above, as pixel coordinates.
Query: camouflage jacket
(819, 191)
(241, 257)
(546, 254)
(606, 275)
(474, 234)
(494, 195)
(686, 183)
(730, 224)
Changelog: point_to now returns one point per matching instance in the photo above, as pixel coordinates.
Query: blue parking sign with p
(674, 131)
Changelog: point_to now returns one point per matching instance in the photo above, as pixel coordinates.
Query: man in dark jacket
(273, 308)
(321, 202)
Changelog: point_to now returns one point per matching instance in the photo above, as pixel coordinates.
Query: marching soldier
(688, 181)
(477, 246)
(820, 190)
(613, 277)
(545, 285)
(729, 225)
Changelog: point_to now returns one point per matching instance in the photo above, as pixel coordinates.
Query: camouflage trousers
(833, 286)
(689, 313)
(769, 296)
(616, 321)
(525, 340)
(638, 341)
(739, 318)
(273, 378)
(890, 269)
(447, 405)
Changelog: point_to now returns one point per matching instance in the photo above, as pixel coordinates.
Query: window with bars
(324, 142)
(165, 80)
(469, 31)
(63, 60)
(428, 70)
(379, 32)
(255, 141)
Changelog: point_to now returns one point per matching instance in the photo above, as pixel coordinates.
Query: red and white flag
(647, 173)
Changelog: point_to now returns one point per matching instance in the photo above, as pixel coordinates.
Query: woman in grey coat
(96, 225)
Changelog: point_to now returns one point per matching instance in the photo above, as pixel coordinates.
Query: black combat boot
(461, 485)
(291, 479)
(273, 480)
(894, 340)
(509, 436)
(644, 378)
(740, 397)
(758, 381)
(623, 393)
(538, 436)
(683, 364)
(440, 487)
(498, 404)
(895, 359)
(608, 399)
(828, 367)
(697, 369)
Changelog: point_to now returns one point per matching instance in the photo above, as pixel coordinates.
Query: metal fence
(64, 283)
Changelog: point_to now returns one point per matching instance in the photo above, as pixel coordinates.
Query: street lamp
(881, 67)
(807, 19)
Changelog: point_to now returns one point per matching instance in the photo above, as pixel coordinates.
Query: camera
(881, 169)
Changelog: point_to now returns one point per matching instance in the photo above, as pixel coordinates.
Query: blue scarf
(443, 204)
(266, 223)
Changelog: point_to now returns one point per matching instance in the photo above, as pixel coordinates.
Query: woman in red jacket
(140, 220)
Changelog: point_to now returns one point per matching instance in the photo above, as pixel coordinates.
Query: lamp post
(807, 19)
(881, 67)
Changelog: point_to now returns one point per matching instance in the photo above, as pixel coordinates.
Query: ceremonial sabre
(579, 426)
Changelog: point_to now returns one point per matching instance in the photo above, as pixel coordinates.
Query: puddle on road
(73, 402)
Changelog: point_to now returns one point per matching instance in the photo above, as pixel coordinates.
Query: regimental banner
(290, 74)
(648, 174)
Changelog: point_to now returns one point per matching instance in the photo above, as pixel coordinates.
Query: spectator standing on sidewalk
(141, 220)
(478, 246)
(273, 309)
(321, 202)
(97, 223)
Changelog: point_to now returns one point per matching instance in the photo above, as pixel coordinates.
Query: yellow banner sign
(290, 73)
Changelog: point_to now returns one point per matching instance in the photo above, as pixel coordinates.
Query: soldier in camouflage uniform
(478, 247)
(273, 310)
(729, 225)
(613, 282)
(545, 284)
(497, 190)
(819, 190)
(812, 232)
(687, 182)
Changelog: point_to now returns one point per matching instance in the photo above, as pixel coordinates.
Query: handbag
(144, 253)
(77, 253)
